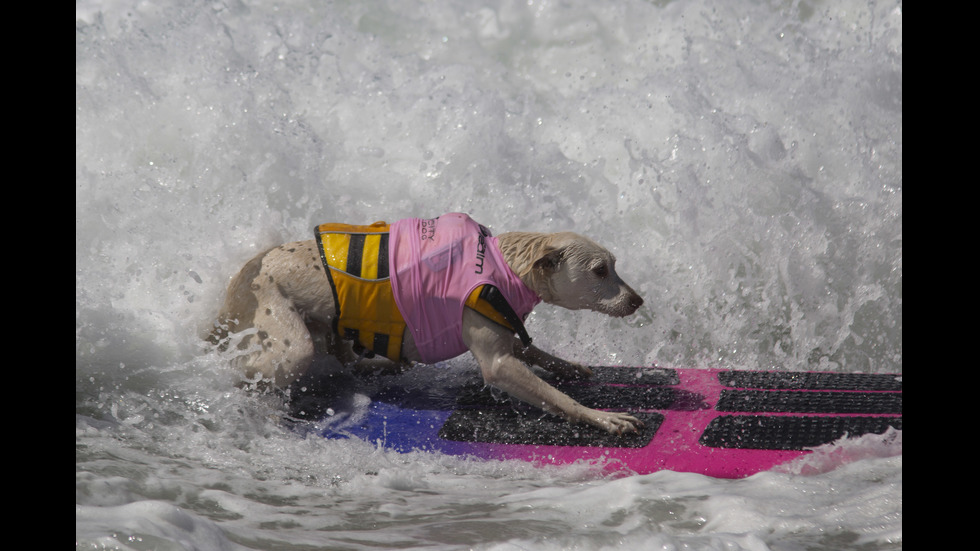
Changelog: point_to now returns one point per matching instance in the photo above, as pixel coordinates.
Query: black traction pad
(617, 388)
(511, 426)
(810, 380)
(592, 396)
(771, 401)
(789, 432)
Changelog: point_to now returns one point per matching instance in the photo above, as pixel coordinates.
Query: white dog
(286, 297)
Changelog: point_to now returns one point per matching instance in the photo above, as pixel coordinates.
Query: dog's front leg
(493, 347)
(535, 356)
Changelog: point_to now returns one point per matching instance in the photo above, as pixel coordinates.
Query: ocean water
(742, 158)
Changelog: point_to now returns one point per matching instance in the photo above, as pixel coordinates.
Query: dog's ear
(548, 262)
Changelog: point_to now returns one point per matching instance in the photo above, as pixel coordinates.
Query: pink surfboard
(720, 423)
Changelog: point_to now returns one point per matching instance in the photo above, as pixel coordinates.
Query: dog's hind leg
(271, 332)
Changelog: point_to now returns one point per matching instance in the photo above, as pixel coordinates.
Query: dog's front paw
(614, 422)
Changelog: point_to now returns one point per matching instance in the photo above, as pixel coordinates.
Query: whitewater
(741, 158)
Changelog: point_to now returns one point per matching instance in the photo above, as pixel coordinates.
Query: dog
(283, 299)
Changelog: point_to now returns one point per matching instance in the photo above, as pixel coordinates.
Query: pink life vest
(438, 263)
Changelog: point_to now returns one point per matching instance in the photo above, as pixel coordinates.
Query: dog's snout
(633, 303)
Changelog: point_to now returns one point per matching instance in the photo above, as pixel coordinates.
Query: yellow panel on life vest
(356, 258)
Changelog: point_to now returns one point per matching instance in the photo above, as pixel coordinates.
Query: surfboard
(721, 423)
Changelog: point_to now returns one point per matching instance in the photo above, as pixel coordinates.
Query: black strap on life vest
(495, 298)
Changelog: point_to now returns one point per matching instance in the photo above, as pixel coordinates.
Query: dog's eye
(601, 270)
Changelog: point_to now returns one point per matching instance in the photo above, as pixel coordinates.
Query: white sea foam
(743, 160)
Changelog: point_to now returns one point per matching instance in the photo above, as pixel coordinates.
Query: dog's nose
(636, 301)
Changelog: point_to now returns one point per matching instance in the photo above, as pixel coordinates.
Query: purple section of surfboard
(721, 423)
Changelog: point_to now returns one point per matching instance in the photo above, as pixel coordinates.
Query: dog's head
(574, 272)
